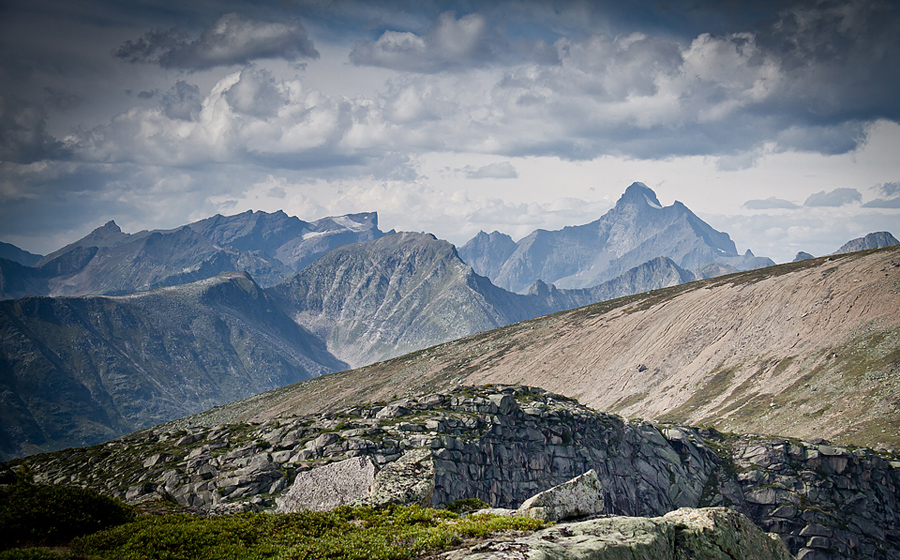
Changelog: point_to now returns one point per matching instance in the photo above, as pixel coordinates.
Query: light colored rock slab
(579, 497)
(329, 486)
(408, 480)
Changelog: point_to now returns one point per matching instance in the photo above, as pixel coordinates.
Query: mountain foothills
(270, 247)
(635, 231)
(809, 349)
(83, 370)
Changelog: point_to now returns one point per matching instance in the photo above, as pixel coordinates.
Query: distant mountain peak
(639, 193)
(873, 240)
(110, 226)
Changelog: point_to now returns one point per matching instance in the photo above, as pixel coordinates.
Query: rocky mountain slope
(288, 239)
(502, 444)
(403, 292)
(10, 252)
(366, 301)
(808, 349)
(871, 241)
(75, 371)
(638, 229)
(108, 261)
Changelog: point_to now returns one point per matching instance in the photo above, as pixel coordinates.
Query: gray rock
(327, 487)
(579, 497)
(698, 534)
(157, 459)
(408, 480)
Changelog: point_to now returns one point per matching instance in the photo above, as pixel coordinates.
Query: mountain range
(108, 261)
(633, 232)
(76, 370)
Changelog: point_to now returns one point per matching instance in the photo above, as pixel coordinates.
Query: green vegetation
(34, 518)
(466, 505)
(53, 515)
(394, 532)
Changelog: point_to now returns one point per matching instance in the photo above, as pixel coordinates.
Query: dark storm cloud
(62, 100)
(233, 39)
(770, 203)
(23, 133)
(840, 59)
(833, 199)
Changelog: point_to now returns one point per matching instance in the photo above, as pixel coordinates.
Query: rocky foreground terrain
(502, 444)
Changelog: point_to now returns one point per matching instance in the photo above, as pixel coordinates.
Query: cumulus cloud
(233, 39)
(770, 203)
(183, 101)
(883, 203)
(449, 43)
(889, 190)
(500, 170)
(837, 197)
(255, 93)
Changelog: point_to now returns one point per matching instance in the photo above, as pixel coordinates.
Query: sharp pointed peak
(110, 226)
(640, 193)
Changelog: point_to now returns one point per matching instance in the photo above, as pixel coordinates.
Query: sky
(776, 122)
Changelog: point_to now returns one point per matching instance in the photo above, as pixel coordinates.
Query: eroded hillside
(808, 349)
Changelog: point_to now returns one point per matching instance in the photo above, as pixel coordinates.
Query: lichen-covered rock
(721, 534)
(409, 480)
(332, 485)
(579, 497)
(685, 534)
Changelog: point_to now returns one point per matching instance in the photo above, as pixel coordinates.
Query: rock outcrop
(697, 534)
(409, 480)
(580, 497)
(504, 444)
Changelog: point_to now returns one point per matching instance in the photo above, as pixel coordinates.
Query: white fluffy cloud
(450, 43)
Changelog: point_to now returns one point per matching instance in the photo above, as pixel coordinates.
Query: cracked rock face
(695, 534)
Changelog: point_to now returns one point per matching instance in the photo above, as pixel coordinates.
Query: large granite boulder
(579, 497)
(329, 486)
(696, 534)
(408, 480)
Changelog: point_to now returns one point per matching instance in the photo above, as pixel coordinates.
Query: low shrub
(466, 505)
(363, 533)
(40, 515)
